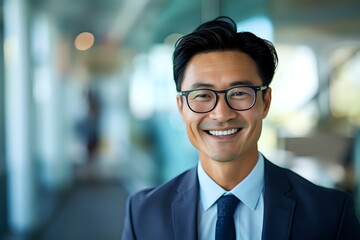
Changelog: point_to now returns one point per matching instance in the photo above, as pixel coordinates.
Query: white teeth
(223, 133)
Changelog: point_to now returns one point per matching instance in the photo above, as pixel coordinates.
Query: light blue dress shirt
(249, 213)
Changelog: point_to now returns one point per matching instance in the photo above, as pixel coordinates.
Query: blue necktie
(225, 227)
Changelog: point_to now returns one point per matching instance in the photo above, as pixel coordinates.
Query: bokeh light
(84, 41)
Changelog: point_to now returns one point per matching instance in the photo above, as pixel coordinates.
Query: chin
(223, 158)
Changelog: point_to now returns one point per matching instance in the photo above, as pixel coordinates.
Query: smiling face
(223, 134)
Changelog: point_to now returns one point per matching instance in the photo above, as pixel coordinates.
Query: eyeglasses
(238, 98)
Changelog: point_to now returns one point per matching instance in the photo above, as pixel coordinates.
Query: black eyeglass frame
(255, 88)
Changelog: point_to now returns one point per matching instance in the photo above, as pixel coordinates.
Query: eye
(240, 94)
(201, 95)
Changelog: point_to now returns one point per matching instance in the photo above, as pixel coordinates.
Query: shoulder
(157, 205)
(302, 190)
(331, 210)
(166, 192)
(302, 185)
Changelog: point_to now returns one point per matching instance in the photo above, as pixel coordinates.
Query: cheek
(258, 121)
(192, 135)
(254, 120)
(189, 124)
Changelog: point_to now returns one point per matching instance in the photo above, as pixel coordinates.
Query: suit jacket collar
(278, 208)
(185, 207)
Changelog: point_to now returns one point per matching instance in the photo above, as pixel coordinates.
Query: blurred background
(88, 112)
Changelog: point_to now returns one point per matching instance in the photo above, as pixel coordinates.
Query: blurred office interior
(88, 111)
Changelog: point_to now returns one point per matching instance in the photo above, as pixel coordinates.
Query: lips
(223, 132)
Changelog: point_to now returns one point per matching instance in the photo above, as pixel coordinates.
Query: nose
(222, 111)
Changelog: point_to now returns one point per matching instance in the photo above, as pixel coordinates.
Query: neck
(231, 173)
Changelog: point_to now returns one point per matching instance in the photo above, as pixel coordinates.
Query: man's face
(222, 70)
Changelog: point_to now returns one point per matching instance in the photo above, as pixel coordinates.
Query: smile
(224, 133)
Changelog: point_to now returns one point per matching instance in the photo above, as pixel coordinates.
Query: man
(222, 78)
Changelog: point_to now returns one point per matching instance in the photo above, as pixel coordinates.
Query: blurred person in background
(222, 77)
(88, 132)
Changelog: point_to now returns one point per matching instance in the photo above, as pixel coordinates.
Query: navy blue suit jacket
(294, 208)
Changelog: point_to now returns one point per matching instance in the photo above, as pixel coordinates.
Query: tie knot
(226, 205)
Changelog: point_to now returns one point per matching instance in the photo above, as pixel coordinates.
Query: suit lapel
(185, 207)
(278, 208)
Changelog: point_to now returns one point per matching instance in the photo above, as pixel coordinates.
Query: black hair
(221, 34)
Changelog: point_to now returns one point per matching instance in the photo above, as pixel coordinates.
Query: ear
(267, 102)
(180, 105)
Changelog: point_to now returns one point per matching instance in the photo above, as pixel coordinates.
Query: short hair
(221, 34)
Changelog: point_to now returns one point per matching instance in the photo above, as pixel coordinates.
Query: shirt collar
(248, 191)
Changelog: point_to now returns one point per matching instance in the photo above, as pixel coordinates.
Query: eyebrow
(233, 84)
(241, 83)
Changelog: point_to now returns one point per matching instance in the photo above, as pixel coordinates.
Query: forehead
(221, 69)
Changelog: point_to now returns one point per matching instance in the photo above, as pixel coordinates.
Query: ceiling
(141, 23)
